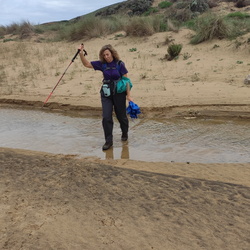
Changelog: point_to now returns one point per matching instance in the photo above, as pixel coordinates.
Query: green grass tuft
(174, 50)
(164, 4)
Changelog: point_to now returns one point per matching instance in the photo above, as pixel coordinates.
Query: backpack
(118, 66)
(121, 84)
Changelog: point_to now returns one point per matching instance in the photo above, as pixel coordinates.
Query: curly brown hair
(112, 50)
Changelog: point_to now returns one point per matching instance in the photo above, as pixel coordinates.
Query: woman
(113, 69)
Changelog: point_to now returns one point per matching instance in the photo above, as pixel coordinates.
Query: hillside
(208, 74)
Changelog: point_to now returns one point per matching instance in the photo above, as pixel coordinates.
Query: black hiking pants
(118, 101)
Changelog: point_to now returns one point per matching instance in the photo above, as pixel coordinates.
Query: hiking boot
(124, 137)
(107, 145)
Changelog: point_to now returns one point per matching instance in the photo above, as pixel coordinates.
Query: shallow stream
(176, 140)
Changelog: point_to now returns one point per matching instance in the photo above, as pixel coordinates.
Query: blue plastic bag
(133, 110)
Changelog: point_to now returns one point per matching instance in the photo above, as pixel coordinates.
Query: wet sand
(59, 202)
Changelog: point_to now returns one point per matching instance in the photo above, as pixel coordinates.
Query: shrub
(38, 30)
(135, 7)
(238, 15)
(2, 31)
(110, 10)
(239, 22)
(181, 13)
(132, 49)
(212, 3)
(90, 27)
(12, 28)
(164, 4)
(8, 40)
(55, 26)
(190, 24)
(115, 23)
(145, 26)
(139, 26)
(242, 3)
(173, 51)
(181, 5)
(150, 11)
(209, 27)
(138, 7)
(184, 15)
(25, 30)
(159, 24)
(199, 6)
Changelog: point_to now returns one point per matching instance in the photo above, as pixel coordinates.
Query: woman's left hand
(129, 98)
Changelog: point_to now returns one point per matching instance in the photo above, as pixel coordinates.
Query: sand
(60, 202)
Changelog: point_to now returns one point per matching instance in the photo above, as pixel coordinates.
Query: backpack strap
(118, 65)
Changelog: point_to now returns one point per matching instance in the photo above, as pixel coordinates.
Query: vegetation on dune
(140, 18)
(173, 51)
(23, 29)
(90, 27)
(209, 27)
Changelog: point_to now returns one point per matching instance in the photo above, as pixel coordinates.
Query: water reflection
(125, 151)
(178, 140)
(109, 154)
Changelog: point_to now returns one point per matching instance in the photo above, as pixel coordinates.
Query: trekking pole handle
(78, 51)
(73, 59)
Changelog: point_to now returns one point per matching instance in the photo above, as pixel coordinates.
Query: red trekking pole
(73, 59)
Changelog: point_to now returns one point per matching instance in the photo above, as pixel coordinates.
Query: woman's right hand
(81, 50)
(81, 47)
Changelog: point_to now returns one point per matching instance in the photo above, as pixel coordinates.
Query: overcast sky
(42, 11)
